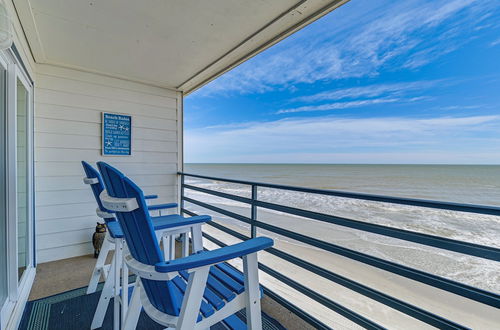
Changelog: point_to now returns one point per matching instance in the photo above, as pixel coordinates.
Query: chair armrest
(162, 206)
(151, 197)
(175, 220)
(205, 258)
(145, 271)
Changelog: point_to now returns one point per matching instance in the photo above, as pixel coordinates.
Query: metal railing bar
(190, 213)
(228, 231)
(406, 308)
(471, 208)
(476, 294)
(220, 194)
(219, 210)
(285, 303)
(341, 310)
(461, 289)
(317, 324)
(219, 179)
(221, 227)
(407, 235)
(472, 249)
(338, 308)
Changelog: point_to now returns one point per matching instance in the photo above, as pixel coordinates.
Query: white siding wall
(68, 106)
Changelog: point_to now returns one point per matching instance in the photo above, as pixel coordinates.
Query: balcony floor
(67, 274)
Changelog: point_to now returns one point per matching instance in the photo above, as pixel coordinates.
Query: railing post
(253, 214)
(181, 202)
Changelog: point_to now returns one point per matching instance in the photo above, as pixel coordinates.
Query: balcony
(312, 281)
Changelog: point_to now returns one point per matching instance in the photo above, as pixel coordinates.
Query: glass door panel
(22, 175)
(3, 187)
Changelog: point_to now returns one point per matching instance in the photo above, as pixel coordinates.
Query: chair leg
(197, 238)
(166, 247)
(252, 296)
(99, 265)
(158, 236)
(117, 287)
(134, 310)
(106, 295)
(185, 245)
(192, 299)
(124, 285)
(172, 247)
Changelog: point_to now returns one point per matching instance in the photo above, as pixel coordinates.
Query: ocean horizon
(470, 184)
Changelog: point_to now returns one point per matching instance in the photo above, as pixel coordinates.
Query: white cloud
(461, 107)
(338, 105)
(494, 43)
(289, 140)
(394, 89)
(372, 37)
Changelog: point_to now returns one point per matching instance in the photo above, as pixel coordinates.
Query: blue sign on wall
(116, 134)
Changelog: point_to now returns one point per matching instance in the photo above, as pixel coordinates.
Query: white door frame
(18, 290)
(21, 75)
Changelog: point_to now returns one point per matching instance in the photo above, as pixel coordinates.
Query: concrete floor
(67, 274)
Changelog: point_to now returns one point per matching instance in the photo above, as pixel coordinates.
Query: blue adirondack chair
(193, 292)
(93, 178)
(166, 227)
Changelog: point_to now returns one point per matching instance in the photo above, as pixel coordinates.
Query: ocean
(455, 183)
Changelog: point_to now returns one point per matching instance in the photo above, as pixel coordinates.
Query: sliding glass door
(16, 188)
(22, 139)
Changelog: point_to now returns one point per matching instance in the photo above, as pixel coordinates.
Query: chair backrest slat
(141, 238)
(97, 187)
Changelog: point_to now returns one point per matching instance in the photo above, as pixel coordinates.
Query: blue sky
(371, 82)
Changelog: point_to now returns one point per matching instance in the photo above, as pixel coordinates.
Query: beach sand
(442, 303)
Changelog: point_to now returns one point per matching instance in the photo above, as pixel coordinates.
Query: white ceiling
(178, 44)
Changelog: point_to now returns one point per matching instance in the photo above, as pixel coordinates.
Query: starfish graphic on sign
(108, 143)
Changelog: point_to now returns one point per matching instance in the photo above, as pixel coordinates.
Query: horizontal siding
(76, 196)
(56, 111)
(49, 70)
(63, 253)
(53, 212)
(74, 100)
(54, 140)
(75, 182)
(106, 81)
(62, 126)
(72, 168)
(88, 88)
(64, 225)
(63, 155)
(68, 107)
